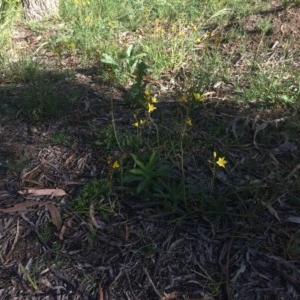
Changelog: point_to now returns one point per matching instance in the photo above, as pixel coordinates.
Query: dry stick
(114, 125)
(130, 287)
(182, 164)
(228, 291)
(151, 282)
(14, 243)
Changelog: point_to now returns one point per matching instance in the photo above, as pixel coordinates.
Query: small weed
(289, 3)
(89, 241)
(96, 193)
(17, 166)
(43, 98)
(43, 94)
(149, 250)
(59, 139)
(28, 277)
(107, 138)
(45, 233)
(90, 193)
(127, 141)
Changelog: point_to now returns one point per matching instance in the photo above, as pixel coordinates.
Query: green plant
(42, 94)
(127, 63)
(44, 97)
(148, 177)
(17, 166)
(287, 3)
(59, 139)
(136, 94)
(96, 193)
(9, 10)
(45, 233)
(92, 191)
(127, 141)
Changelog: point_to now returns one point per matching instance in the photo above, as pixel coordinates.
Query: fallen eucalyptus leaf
(44, 192)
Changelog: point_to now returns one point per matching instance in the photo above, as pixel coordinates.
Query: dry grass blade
(258, 128)
(14, 243)
(293, 219)
(272, 211)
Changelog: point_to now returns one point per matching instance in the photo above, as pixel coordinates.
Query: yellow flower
(146, 12)
(112, 24)
(151, 108)
(116, 165)
(72, 46)
(147, 95)
(215, 154)
(136, 124)
(160, 31)
(88, 20)
(154, 100)
(142, 122)
(182, 34)
(198, 97)
(221, 162)
(198, 40)
(193, 26)
(188, 121)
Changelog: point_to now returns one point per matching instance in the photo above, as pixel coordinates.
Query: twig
(14, 243)
(153, 285)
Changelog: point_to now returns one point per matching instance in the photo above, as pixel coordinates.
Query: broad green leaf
(107, 59)
(138, 172)
(138, 162)
(131, 178)
(129, 51)
(142, 186)
(153, 159)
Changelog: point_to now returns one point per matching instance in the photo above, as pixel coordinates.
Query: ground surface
(251, 251)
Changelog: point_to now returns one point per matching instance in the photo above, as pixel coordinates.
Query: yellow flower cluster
(196, 96)
(150, 106)
(88, 20)
(150, 101)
